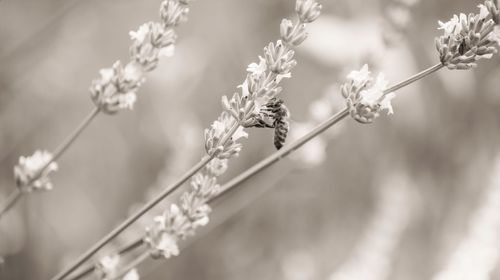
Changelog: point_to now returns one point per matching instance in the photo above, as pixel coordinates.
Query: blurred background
(413, 196)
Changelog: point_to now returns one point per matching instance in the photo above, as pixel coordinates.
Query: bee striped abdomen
(280, 132)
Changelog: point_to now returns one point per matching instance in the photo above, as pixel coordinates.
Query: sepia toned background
(414, 196)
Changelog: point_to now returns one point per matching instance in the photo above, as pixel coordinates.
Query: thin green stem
(11, 201)
(14, 197)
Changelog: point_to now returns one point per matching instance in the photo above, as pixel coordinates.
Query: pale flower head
(140, 35)
(361, 76)
(483, 11)
(466, 39)
(127, 100)
(159, 238)
(29, 174)
(167, 51)
(107, 267)
(365, 96)
(167, 245)
(217, 166)
(258, 68)
(106, 75)
(453, 26)
(240, 133)
(116, 88)
(375, 94)
(131, 275)
(495, 34)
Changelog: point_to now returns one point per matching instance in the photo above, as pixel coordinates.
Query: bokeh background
(413, 196)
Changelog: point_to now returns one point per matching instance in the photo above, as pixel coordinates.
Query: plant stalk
(16, 195)
(232, 184)
(11, 201)
(125, 249)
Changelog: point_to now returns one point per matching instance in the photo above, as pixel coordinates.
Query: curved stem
(10, 202)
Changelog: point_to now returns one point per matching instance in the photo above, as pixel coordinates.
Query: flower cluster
(181, 221)
(261, 85)
(468, 38)
(217, 144)
(256, 95)
(32, 172)
(365, 95)
(116, 88)
(107, 269)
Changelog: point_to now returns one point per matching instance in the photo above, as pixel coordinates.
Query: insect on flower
(275, 115)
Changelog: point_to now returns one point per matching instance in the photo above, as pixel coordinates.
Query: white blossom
(257, 68)
(167, 51)
(453, 26)
(160, 238)
(465, 39)
(217, 166)
(108, 268)
(29, 174)
(240, 133)
(131, 275)
(361, 76)
(375, 94)
(141, 34)
(365, 96)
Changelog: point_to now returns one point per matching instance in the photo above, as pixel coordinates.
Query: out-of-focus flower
(29, 174)
(116, 88)
(107, 269)
(217, 166)
(365, 97)
(131, 275)
(151, 42)
(467, 39)
(173, 12)
(308, 10)
(160, 238)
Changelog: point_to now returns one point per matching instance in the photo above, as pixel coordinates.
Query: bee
(273, 115)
